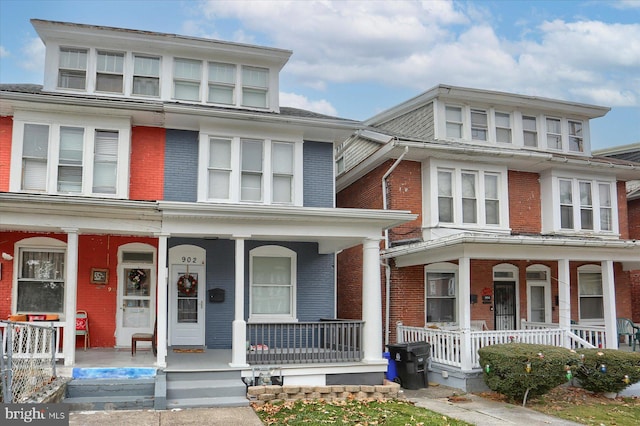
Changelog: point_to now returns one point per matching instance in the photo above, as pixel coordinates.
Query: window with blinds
(105, 162)
(255, 85)
(72, 71)
(70, 159)
(35, 154)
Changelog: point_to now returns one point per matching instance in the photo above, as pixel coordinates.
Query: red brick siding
(633, 210)
(525, 209)
(349, 297)
(146, 179)
(407, 298)
(404, 192)
(623, 217)
(6, 132)
(634, 282)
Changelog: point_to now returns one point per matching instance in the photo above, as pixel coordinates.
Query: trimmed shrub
(608, 370)
(521, 370)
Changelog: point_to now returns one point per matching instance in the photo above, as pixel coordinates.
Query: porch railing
(446, 345)
(593, 335)
(30, 337)
(327, 341)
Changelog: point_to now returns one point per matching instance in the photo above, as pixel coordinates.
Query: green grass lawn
(351, 412)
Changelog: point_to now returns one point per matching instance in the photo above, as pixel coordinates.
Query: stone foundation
(274, 393)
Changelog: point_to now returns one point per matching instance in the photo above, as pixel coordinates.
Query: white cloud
(294, 100)
(33, 52)
(4, 52)
(626, 4)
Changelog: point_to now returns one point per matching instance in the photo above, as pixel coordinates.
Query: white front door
(187, 290)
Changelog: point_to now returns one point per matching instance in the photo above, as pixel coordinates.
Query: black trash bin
(411, 363)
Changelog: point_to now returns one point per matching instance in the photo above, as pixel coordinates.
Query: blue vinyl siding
(181, 166)
(318, 174)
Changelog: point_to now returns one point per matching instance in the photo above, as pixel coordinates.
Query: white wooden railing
(585, 335)
(30, 339)
(446, 345)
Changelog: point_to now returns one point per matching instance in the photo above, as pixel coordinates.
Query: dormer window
(72, 72)
(187, 74)
(554, 134)
(109, 72)
(503, 127)
(453, 116)
(255, 86)
(575, 136)
(146, 75)
(529, 131)
(478, 125)
(222, 83)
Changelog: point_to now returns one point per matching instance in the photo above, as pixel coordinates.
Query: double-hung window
(219, 169)
(468, 197)
(282, 167)
(105, 162)
(479, 124)
(251, 154)
(109, 72)
(146, 75)
(529, 131)
(591, 300)
(585, 205)
(35, 155)
(554, 133)
(72, 68)
(575, 136)
(70, 159)
(503, 127)
(187, 74)
(453, 117)
(273, 284)
(222, 83)
(440, 297)
(255, 86)
(40, 284)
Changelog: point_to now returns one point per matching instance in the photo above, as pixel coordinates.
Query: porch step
(110, 394)
(205, 389)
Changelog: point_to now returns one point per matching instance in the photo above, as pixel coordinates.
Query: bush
(520, 370)
(608, 370)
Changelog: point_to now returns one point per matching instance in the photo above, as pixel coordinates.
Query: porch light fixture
(6, 256)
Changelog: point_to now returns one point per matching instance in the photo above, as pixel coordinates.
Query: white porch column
(70, 298)
(163, 294)
(564, 296)
(239, 329)
(609, 300)
(464, 311)
(371, 300)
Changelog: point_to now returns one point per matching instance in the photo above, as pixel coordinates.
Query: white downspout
(387, 268)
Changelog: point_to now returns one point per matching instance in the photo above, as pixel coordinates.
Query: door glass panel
(187, 297)
(136, 298)
(537, 304)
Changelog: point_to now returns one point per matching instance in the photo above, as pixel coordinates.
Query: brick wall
(146, 176)
(633, 209)
(623, 217)
(404, 192)
(634, 278)
(525, 210)
(6, 131)
(349, 288)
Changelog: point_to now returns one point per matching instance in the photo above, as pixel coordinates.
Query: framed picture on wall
(99, 276)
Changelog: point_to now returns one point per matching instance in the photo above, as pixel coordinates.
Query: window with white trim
(146, 75)
(68, 157)
(187, 74)
(453, 117)
(222, 83)
(219, 170)
(585, 205)
(575, 136)
(72, 68)
(470, 197)
(554, 133)
(251, 160)
(109, 72)
(255, 86)
(503, 127)
(440, 294)
(591, 299)
(529, 131)
(272, 284)
(479, 126)
(282, 172)
(41, 281)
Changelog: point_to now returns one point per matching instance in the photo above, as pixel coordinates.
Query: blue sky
(355, 59)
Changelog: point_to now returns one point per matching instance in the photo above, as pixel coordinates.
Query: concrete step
(182, 389)
(118, 402)
(229, 401)
(110, 387)
(202, 375)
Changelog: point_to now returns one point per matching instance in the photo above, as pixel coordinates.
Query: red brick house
(519, 226)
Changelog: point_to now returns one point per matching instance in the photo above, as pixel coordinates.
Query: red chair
(82, 327)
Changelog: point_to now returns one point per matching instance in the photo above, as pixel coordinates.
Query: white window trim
(515, 271)
(90, 124)
(444, 268)
(589, 269)
(547, 290)
(551, 221)
(43, 244)
(235, 176)
(176, 79)
(430, 201)
(274, 251)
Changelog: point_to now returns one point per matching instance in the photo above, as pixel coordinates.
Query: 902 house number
(189, 259)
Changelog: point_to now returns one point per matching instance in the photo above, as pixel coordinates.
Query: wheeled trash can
(411, 363)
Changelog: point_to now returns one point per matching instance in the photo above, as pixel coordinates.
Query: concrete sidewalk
(477, 410)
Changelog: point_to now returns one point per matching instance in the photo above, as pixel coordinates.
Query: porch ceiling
(514, 247)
